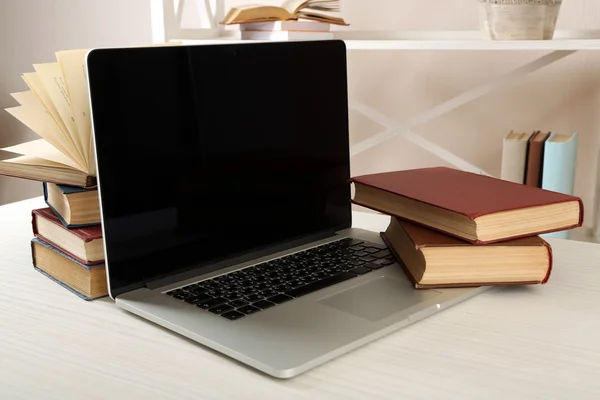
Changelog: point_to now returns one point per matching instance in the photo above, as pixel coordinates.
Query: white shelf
(442, 40)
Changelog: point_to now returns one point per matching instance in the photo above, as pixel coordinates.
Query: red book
(83, 244)
(434, 260)
(476, 208)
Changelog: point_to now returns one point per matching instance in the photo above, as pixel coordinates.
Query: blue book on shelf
(560, 158)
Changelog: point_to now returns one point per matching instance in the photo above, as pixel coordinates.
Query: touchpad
(378, 299)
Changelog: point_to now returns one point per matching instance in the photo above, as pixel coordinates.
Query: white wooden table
(538, 342)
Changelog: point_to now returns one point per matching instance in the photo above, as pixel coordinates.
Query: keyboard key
(381, 254)
(198, 299)
(254, 297)
(233, 315)
(232, 296)
(238, 303)
(360, 270)
(357, 248)
(211, 303)
(279, 298)
(371, 250)
(323, 283)
(220, 309)
(248, 310)
(248, 291)
(263, 304)
(268, 293)
(367, 258)
(383, 262)
(360, 254)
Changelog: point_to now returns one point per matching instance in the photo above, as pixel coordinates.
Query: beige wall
(562, 97)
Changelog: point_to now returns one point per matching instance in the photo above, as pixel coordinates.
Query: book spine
(558, 171)
(535, 157)
(514, 158)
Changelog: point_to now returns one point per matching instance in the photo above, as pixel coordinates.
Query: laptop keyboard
(262, 286)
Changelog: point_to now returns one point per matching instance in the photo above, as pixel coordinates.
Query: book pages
(72, 64)
(36, 117)
(37, 87)
(51, 76)
(42, 149)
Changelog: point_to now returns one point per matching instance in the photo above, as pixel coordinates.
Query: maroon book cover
(466, 193)
(85, 234)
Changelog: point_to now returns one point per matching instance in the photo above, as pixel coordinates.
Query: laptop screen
(210, 152)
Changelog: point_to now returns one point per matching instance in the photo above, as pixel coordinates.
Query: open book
(289, 10)
(56, 108)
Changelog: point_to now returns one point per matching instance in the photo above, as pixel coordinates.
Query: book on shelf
(477, 208)
(535, 157)
(314, 10)
(86, 281)
(514, 156)
(72, 205)
(559, 165)
(294, 26)
(285, 35)
(434, 260)
(83, 244)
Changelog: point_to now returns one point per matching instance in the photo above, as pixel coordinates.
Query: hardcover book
(290, 10)
(514, 156)
(559, 163)
(535, 158)
(83, 244)
(75, 207)
(434, 260)
(476, 208)
(86, 281)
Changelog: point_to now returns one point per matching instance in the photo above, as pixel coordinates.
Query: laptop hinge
(246, 257)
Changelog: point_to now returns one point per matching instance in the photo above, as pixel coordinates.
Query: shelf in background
(441, 40)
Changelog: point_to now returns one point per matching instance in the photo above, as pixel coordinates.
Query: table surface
(508, 342)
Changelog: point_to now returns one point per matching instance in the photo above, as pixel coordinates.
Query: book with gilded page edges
(83, 244)
(477, 208)
(435, 260)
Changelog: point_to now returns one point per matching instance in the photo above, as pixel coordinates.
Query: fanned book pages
(315, 10)
(57, 108)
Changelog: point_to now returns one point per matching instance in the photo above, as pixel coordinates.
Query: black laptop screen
(208, 152)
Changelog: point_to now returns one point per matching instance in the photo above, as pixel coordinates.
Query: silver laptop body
(280, 297)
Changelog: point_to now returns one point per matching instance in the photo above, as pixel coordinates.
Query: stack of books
(542, 159)
(67, 246)
(452, 228)
(294, 20)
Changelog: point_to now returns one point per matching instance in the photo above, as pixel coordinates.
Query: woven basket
(518, 19)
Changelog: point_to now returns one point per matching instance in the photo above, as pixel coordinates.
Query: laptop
(223, 176)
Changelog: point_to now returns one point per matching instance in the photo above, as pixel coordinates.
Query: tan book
(74, 207)
(535, 159)
(290, 10)
(434, 260)
(87, 281)
(514, 156)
